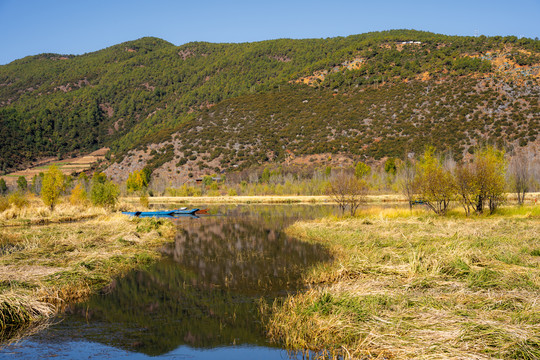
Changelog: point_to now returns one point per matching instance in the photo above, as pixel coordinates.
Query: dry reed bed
(43, 267)
(415, 286)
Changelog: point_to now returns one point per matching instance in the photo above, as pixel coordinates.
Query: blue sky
(29, 27)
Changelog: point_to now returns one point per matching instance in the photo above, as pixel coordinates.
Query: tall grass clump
(19, 309)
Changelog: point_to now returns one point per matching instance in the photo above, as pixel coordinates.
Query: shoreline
(262, 199)
(44, 267)
(289, 199)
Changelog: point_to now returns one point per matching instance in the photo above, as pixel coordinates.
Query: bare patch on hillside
(147, 86)
(73, 86)
(186, 54)
(280, 58)
(320, 75)
(107, 109)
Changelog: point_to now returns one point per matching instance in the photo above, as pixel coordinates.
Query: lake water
(200, 301)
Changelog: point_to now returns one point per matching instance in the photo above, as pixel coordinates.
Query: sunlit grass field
(417, 286)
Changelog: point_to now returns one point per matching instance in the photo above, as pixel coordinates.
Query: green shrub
(3, 186)
(104, 193)
(18, 199)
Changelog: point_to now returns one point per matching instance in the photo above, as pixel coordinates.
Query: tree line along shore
(483, 181)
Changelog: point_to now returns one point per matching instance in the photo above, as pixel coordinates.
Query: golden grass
(75, 252)
(16, 308)
(418, 286)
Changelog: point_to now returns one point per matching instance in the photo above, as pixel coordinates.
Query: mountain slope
(141, 92)
(296, 122)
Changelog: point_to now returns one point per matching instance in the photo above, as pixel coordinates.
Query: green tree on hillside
(361, 170)
(137, 181)
(22, 184)
(265, 176)
(52, 187)
(390, 166)
(3, 186)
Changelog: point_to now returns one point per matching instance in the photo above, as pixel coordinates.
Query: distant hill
(200, 107)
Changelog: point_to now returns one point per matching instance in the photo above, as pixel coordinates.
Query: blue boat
(162, 213)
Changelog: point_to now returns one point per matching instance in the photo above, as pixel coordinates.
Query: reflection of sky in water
(84, 349)
(200, 302)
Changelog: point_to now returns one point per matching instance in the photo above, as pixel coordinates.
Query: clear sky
(29, 27)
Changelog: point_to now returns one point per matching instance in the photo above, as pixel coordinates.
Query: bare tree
(349, 191)
(157, 185)
(520, 176)
(466, 187)
(406, 179)
(337, 189)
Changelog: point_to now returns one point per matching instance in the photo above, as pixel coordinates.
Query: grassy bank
(66, 255)
(412, 285)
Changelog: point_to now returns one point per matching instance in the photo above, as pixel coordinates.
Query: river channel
(200, 301)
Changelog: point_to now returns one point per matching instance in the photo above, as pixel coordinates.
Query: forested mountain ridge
(371, 95)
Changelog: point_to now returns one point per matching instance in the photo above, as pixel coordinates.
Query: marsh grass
(15, 309)
(75, 252)
(414, 285)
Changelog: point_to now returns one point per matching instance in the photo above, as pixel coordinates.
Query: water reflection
(204, 294)
(242, 255)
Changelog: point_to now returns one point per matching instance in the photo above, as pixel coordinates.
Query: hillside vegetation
(225, 106)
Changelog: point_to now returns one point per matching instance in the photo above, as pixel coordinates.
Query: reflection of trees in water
(242, 255)
(204, 295)
(156, 311)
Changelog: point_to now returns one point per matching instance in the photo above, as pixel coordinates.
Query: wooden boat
(162, 213)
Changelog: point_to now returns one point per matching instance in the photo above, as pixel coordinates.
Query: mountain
(188, 110)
